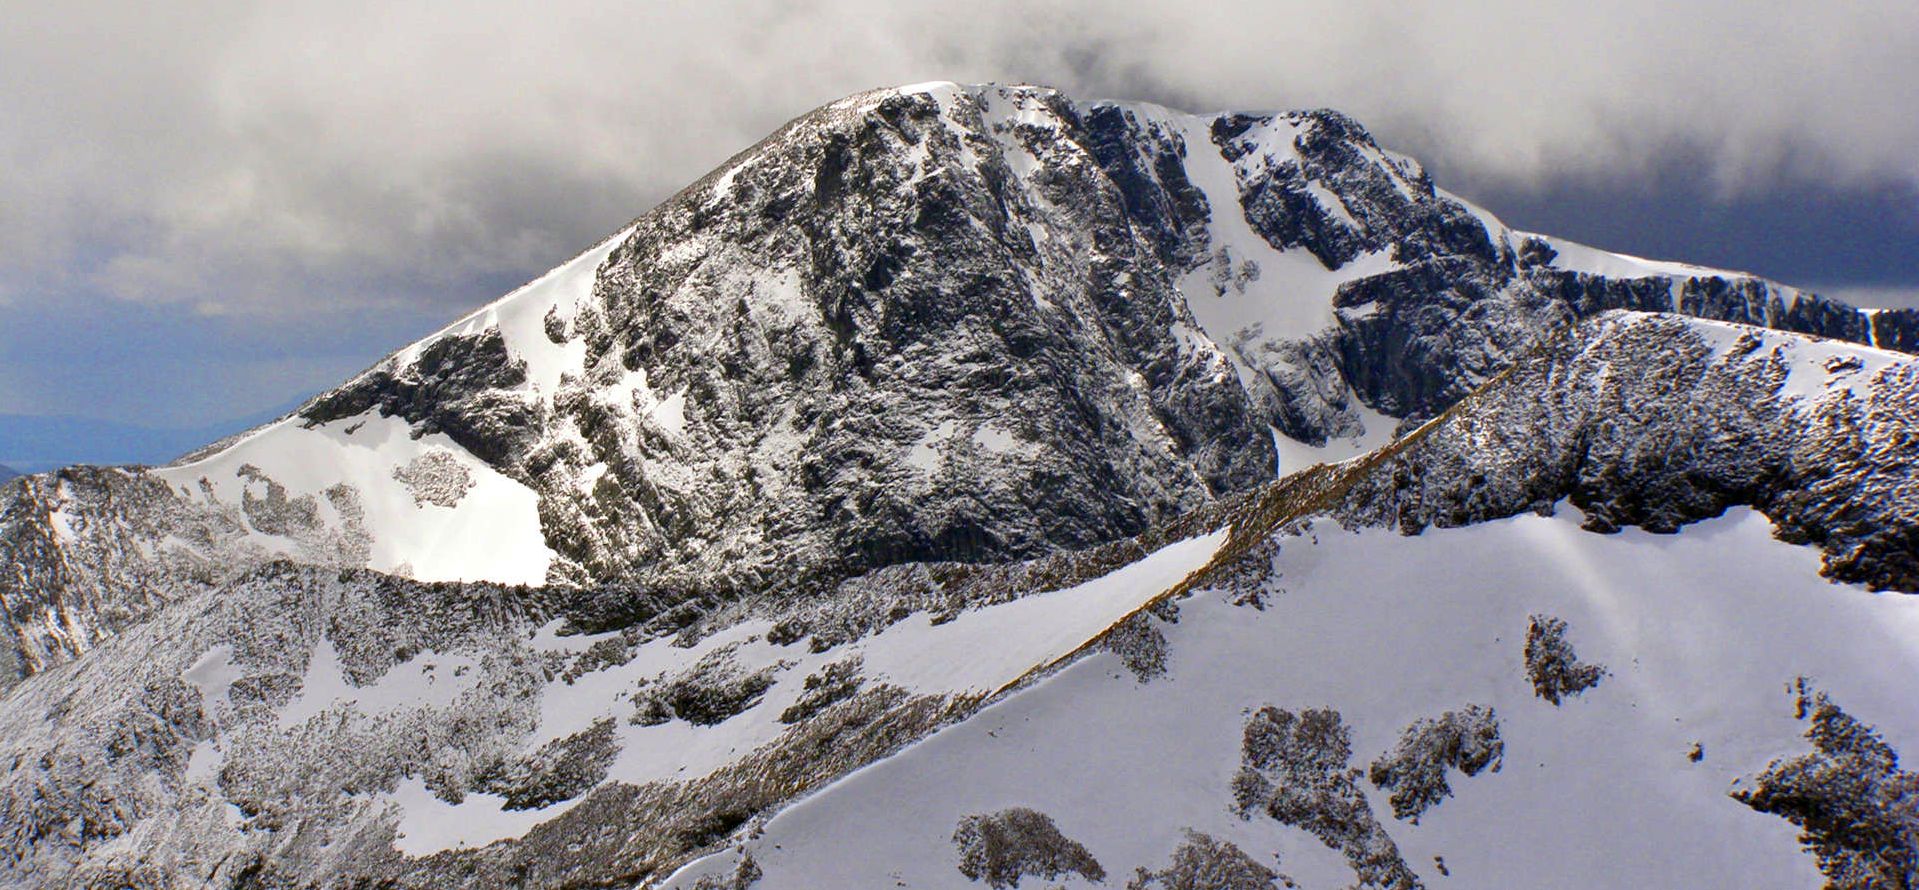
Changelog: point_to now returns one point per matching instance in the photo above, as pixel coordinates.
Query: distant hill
(7, 472)
(36, 443)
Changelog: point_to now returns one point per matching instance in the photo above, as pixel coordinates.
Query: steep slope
(304, 727)
(928, 323)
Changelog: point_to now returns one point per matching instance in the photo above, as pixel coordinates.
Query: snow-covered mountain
(930, 323)
(933, 410)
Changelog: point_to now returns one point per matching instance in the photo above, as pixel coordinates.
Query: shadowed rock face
(894, 346)
(459, 385)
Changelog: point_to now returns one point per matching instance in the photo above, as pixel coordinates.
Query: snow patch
(985, 649)
(428, 825)
(426, 680)
(491, 534)
(924, 453)
(212, 675)
(1817, 369)
(520, 317)
(1575, 257)
(1376, 430)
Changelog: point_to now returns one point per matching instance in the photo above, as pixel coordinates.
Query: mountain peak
(945, 405)
(939, 323)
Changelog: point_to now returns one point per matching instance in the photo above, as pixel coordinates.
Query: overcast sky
(207, 209)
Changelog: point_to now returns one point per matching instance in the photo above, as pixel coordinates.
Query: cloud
(292, 158)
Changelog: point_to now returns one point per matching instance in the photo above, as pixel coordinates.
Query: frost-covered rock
(1857, 810)
(1414, 771)
(1551, 664)
(1656, 421)
(1203, 862)
(1294, 768)
(1002, 848)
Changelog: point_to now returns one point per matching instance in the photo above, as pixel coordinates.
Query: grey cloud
(288, 158)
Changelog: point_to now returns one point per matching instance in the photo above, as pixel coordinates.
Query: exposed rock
(1414, 771)
(461, 385)
(561, 770)
(1856, 809)
(844, 381)
(1709, 417)
(1552, 665)
(436, 478)
(711, 692)
(959, 324)
(1294, 768)
(833, 684)
(1140, 645)
(745, 874)
(1205, 863)
(86, 552)
(1001, 848)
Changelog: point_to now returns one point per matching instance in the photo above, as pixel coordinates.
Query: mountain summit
(943, 397)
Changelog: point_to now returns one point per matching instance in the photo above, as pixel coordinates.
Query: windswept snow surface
(1295, 455)
(1701, 632)
(1576, 257)
(980, 651)
(491, 534)
(521, 317)
(1817, 369)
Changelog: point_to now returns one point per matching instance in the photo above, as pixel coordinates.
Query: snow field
(1701, 633)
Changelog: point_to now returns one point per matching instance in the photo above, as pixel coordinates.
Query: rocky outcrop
(461, 385)
(282, 726)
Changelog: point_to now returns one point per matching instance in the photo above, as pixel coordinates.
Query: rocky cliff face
(938, 323)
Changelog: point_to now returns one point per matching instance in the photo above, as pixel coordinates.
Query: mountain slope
(927, 404)
(929, 323)
(319, 727)
(1701, 635)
